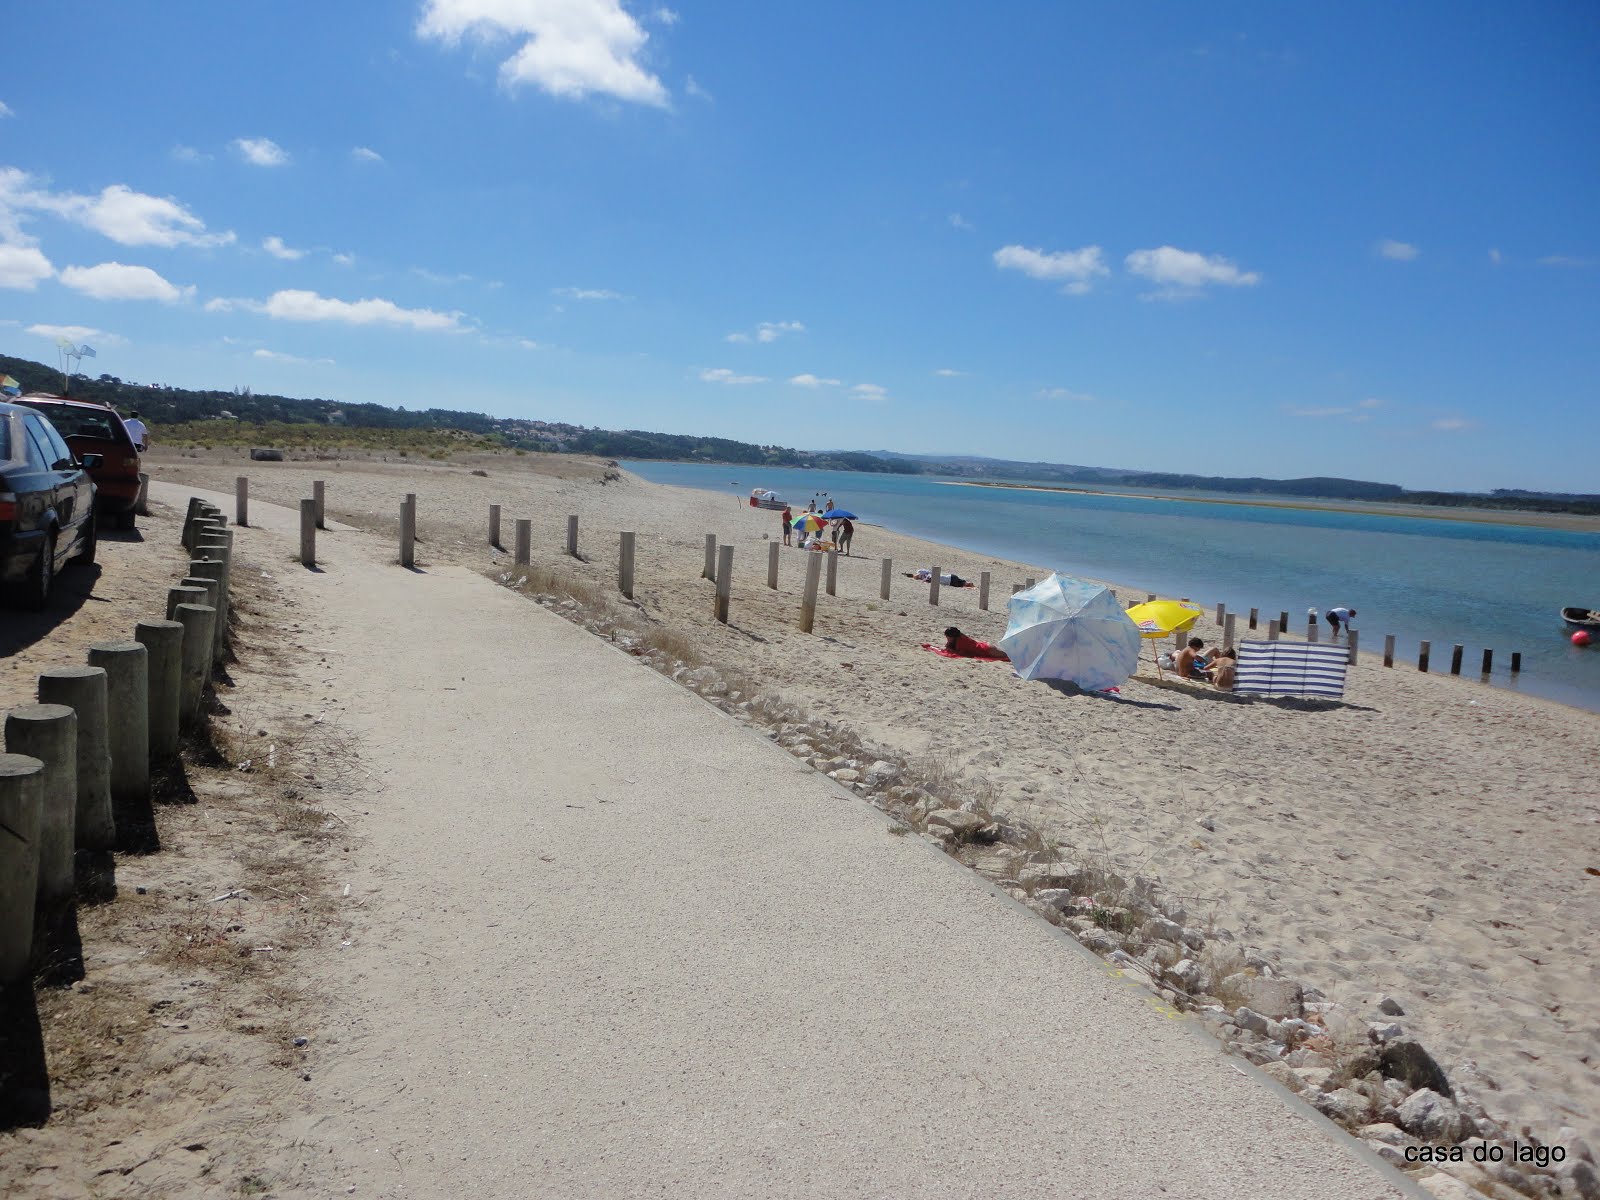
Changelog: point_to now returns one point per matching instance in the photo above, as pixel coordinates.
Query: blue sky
(1358, 240)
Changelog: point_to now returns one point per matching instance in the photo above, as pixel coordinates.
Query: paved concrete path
(617, 945)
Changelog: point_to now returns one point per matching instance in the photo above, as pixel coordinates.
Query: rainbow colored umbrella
(807, 523)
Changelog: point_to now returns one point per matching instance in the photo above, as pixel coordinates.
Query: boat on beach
(1589, 618)
(763, 498)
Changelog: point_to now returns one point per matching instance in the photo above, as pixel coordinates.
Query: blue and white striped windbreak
(1074, 630)
(1291, 669)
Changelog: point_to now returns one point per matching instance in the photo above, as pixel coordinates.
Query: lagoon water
(1479, 584)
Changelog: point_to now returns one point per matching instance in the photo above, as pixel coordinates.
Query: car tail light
(8, 507)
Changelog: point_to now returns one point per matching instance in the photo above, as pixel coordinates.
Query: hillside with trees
(191, 417)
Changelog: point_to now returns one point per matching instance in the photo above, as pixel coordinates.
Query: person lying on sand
(958, 643)
(925, 574)
(1223, 669)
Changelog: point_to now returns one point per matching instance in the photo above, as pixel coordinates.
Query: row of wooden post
(84, 753)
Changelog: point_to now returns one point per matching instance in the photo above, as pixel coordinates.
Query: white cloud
(1182, 273)
(1061, 393)
(436, 277)
(297, 305)
(127, 217)
(118, 281)
(812, 381)
(1399, 251)
(871, 392)
(691, 87)
(723, 375)
(572, 48)
(292, 359)
(75, 333)
(665, 16)
(275, 247)
(957, 221)
(344, 260)
(1452, 424)
(766, 332)
(366, 154)
(22, 267)
(949, 373)
(189, 154)
(576, 293)
(5, 109)
(1567, 260)
(529, 344)
(261, 152)
(1078, 268)
(1321, 412)
(1495, 257)
(1371, 402)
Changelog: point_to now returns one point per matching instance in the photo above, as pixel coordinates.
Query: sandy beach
(1431, 840)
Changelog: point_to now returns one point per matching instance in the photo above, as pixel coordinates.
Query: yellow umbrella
(1163, 618)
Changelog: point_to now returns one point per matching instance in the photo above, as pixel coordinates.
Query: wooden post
(241, 500)
(983, 591)
(808, 600)
(1388, 649)
(1015, 588)
(1028, 583)
(724, 581)
(22, 812)
(1149, 597)
(933, 587)
(319, 493)
(408, 531)
(524, 554)
(1272, 631)
(773, 551)
(572, 536)
(625, 565)
(1254, 613)
(1311, 627)
(1488, 660)
(1456, 652)
(710, 571)
(883, 579)
(1221, 609)
(1516, 662)
(308, 533)
(1355, 639)
(1283, 622)
(494, 525)
(1227, 629)
(1422, 656)
(141, 503)
(1178, 637)
(833, 572)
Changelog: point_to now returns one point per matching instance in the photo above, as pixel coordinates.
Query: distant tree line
(161, 405)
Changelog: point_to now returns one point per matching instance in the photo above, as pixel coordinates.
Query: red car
(96, 429)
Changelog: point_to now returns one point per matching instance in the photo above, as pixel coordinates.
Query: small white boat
(1589, 618)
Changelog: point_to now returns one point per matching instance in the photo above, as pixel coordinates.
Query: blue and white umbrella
(1070, 629)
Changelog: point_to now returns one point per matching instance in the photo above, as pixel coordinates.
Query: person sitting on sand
(1186, 660)
(956, 642)
(787, 531)
(846, 531)
(1223, 669)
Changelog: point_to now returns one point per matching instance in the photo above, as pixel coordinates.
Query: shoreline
(1573, 523)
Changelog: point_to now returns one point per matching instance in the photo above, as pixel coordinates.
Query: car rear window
(71, 421)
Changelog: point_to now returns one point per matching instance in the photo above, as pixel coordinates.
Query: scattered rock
(1580, 1179)
(1343, 1105)
(1161, 929)
(1313, 1078)
(1275, 998)
(1385, 1132)
(1246, 1018)
(962, 824)
(1384, 1031)
(1444, 1187)
(1389, 1006)
(845, 776)
(1430, 1116)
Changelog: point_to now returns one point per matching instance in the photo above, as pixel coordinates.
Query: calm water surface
(1499, 586)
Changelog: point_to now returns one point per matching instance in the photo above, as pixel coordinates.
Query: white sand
(1428, 840)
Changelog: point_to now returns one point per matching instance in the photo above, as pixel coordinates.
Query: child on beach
(958, 643)
(1186, 660)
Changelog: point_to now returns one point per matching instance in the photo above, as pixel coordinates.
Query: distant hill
(163, 405)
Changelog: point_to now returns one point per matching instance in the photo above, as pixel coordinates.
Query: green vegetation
(183, 417)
